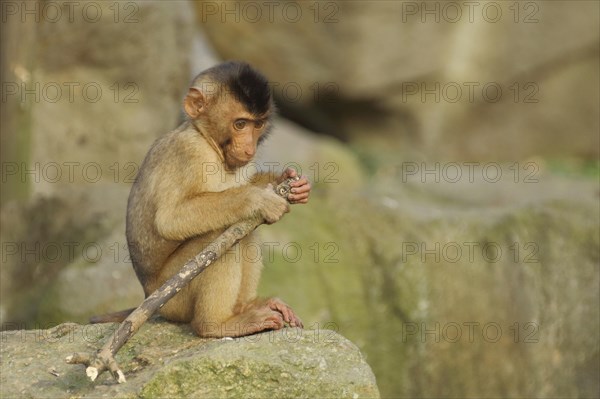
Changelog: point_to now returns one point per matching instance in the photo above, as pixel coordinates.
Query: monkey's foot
(97, 364)
(288, 314)
(269, 320)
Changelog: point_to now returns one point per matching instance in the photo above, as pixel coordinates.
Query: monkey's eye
(259, 124)
(239, 124)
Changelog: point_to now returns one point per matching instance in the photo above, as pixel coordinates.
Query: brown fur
(191, 186)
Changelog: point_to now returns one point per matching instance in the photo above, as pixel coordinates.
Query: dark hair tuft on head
(246, 84)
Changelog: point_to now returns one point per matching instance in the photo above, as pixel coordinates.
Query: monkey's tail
(115, 317)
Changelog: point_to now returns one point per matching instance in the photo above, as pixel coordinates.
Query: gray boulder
(168, 360)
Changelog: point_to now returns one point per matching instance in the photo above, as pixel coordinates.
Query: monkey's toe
(275, 324)
(296, 322)
(286, 312)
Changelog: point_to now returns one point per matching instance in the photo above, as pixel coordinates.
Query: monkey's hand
(300, 189)
(270, 206)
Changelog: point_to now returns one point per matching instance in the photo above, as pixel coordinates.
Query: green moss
(573, 167)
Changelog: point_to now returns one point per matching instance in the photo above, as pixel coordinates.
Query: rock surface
(453, 289)
(168, 360)
(100, 92)
(473, 81)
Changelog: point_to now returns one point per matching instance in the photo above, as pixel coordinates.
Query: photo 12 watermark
(469, 92)
(468, 172)
(525, 12)
(125, 172)
(69, 11)
(254, 12)
(69, 92)
(469, 252)
(64, 252)
(469, 332)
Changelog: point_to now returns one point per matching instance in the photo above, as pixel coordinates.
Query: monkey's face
(229, 122)
(243, 133)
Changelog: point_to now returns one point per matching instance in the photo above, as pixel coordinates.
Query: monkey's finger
(298, 197)
(290, 172)
(298, 201)
(286, 174)
(302, 189)
(304, 201)
(300, 182)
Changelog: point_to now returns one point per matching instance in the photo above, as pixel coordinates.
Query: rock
(305, 51)
(500, 278)
(167, 360)
(402, 72)
(39, 239)
(99, 280)
(115, 113)
(94, 94)
(90, 97)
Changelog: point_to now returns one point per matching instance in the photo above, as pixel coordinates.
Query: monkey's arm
(212, 211)
(264, 178)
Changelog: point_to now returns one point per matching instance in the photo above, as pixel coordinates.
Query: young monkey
(192, 185)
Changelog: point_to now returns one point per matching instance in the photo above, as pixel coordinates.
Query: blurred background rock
(453, 230)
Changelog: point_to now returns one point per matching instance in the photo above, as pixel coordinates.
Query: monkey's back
(179, 165)
(147, 249)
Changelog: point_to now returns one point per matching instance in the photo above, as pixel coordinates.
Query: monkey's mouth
(234, 162)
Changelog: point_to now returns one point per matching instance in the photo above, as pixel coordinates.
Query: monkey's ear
(194, 103)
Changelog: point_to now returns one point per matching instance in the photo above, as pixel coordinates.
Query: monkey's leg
(255, 318)
(251, 267)
(216, 292)
(226, 304)
(251, 270)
